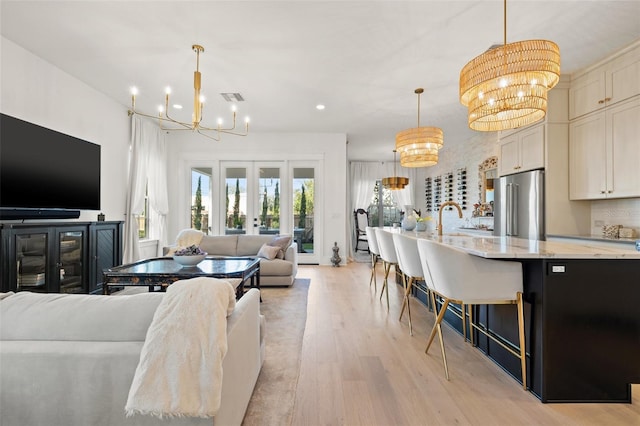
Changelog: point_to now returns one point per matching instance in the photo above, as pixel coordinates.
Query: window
(383, 202)
(143, 218)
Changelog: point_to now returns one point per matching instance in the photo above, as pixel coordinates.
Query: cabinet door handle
(602, 192)
(607, 99)
(609, 192)
(601, 101)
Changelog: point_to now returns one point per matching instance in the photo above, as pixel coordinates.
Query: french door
(272, 197)
(253, 197)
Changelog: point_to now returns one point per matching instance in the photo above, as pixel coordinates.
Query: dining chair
(459, 277)
(375, 254)
(361, 218)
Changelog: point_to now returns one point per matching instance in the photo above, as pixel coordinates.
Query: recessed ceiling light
(320, 107)
(177, 106)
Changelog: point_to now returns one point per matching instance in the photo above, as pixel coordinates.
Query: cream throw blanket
(189, 237)
(180, 367)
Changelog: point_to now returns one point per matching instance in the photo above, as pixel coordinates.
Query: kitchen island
(582, 316)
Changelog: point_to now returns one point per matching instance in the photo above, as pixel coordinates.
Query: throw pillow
(282, 242)
(268, 252)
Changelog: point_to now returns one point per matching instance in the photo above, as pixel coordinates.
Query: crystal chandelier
(198, 106)
(418, 147)
(506, 86)
(395, 182)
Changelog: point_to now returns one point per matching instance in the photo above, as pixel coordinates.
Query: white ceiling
(362, 60)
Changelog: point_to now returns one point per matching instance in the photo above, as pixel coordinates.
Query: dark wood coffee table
(163, 271)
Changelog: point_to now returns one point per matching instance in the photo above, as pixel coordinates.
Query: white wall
(625, 212)
(469, 154)
(186, 149)
(35, 91)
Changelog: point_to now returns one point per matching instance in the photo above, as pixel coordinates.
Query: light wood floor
(359, 366)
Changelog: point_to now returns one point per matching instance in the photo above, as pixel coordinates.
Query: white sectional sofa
(273, 272)
(69, 360)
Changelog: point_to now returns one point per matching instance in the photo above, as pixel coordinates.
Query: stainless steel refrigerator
(519, 205)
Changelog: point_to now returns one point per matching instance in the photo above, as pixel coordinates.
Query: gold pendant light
(395, 182)
(418, 147)
(198, 105)
(506, 87)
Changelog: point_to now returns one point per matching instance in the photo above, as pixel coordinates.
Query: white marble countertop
(517, 248)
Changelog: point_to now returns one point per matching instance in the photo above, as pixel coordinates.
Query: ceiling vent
(232, 97)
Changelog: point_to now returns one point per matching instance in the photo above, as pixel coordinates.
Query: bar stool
(411, 267)
(388, 256)
(375, 254)
(459, 277)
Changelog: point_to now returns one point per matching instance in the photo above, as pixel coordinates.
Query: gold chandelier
(395, 182)
(418, 147)
(198, 106)
(506, 86)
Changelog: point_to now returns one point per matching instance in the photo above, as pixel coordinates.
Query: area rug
(285, 310)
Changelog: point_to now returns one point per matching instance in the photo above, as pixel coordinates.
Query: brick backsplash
(625, 212)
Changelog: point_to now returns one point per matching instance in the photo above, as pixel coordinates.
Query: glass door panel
(31, 261)
(303, 212)
(70, 267)
(236, 200)
(201, 198)
(268, 221)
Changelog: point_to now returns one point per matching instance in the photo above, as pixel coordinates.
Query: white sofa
(69, 360)
(273, 272)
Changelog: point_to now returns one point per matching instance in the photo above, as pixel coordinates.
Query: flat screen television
(44, 173)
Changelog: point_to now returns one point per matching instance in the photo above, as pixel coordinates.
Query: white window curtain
(145, 165)
(363, 176)
(157, 192)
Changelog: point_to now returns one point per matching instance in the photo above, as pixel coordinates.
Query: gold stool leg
(471, 325)
(464, 321)
(438, 329)
(385, 284)
(405, 303)
(523, 352)
(374, 261)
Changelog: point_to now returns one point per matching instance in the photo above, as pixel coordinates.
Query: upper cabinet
(605, 85)
(604, 130)
(522, 150)
(605, 153)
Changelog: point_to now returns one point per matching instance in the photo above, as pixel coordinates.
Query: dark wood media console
(58, 257)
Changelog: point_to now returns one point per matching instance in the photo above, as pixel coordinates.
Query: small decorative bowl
(189, 260)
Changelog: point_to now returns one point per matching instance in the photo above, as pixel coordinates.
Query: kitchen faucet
(442, 206)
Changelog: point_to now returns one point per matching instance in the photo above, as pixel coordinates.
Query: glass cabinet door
(69, 264)
(31, 261)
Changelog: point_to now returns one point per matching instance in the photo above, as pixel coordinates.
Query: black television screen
(44, 169)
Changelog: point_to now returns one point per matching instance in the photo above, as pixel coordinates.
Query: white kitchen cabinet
(604, 153)
(605, 85)
(522, 150)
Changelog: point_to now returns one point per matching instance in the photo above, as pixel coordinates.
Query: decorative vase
(335, 260)
(408, 223)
